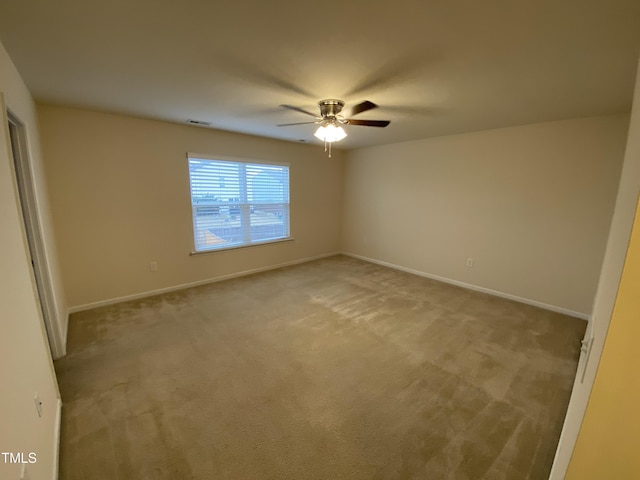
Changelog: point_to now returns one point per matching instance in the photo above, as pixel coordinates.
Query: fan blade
(363, 107)
(369, 123)
(291, 107)
(289, 124)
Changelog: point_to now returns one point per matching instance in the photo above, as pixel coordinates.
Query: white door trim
(33, 230)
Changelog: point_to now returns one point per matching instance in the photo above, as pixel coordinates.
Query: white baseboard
(151, 293)
(56, 440)
(546, 306)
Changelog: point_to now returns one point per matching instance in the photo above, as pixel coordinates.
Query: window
(237, 203)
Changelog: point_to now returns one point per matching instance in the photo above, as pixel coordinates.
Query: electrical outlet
(153, 266)
(469, 262)
(38, 403)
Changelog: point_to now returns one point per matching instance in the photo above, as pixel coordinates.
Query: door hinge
(585, 347)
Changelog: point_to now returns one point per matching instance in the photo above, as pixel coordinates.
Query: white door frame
(33, 231)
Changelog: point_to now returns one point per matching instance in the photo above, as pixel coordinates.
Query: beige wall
(120, 199)
(25, 362)
(531, 205)
(608, 443)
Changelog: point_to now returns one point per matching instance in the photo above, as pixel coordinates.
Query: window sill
(247, 245)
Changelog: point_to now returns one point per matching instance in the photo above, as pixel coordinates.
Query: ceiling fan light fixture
(330, 121)
(330, 133)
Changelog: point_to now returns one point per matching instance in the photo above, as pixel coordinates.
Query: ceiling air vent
(198, 122)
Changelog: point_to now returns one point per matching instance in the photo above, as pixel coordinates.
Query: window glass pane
(267, 184)
(269, 221)
(217, 227)
(214, 181)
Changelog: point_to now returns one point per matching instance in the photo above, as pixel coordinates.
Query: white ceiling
(435, 67)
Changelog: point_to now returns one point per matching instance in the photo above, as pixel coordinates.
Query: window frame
(245, 210)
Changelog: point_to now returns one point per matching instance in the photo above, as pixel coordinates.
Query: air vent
(198, 122)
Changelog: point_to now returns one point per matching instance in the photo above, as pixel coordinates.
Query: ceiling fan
(330, 121)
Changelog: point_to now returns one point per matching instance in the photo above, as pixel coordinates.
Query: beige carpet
(334, 369)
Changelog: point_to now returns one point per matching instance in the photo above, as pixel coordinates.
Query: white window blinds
(238, 203)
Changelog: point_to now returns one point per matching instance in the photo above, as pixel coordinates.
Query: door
(605, 296)
(26, 193)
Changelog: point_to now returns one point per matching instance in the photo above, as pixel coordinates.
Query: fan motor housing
(330, 107)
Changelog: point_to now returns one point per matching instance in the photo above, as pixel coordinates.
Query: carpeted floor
(334, 369)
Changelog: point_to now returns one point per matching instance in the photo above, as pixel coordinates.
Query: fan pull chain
(329, 149)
